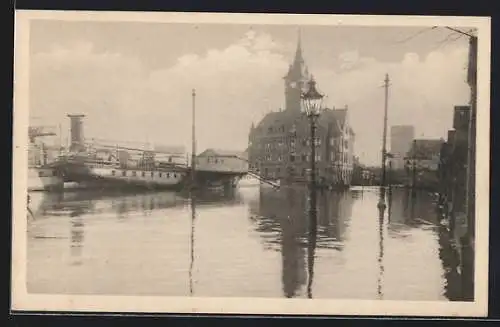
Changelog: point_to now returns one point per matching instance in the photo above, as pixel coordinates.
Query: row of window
(280, 129)
(305, 158)
(269, 145)
(143, 174)
(215, 160)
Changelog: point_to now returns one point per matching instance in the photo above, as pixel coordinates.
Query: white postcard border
(22, 300)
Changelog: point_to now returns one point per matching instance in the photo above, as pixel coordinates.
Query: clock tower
(295, 81)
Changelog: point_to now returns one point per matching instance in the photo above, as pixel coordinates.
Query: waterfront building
(279, 145)
(453, 165)
(401, 142)
(216, 160)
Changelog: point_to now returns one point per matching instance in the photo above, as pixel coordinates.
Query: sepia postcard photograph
(168, 162)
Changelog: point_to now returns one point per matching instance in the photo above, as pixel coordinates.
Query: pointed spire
(298, 52)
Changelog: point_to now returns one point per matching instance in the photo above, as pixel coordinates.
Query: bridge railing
(262, 179)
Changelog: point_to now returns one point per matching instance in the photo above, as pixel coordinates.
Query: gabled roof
(270, 118)
(341, 116)
(336, 118)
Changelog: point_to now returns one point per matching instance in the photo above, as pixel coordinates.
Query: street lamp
(312, 104)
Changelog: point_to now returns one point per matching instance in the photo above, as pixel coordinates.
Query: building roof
(278, 118)
(425, 148)
(222, 153)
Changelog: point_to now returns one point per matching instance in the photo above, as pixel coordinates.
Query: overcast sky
(134, 80)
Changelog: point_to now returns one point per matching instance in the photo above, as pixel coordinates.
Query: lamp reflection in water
(291, 223)
(311, 248)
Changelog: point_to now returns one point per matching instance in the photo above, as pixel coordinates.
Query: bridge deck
(218, 175)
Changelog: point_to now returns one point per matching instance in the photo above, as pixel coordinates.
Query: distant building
(401, 141)
(222, 161)
(423, 161)
(279, 146)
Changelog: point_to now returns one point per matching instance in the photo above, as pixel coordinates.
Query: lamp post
(312, 104)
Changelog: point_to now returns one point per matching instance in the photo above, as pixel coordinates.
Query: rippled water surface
(256, 242)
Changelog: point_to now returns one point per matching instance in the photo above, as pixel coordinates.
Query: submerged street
(254, 243)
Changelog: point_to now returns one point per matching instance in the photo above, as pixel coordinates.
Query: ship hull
(44, 179)
(89, 177)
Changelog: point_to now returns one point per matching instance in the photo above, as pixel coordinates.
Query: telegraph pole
(193, 139)
(381, 203)
(414, 167)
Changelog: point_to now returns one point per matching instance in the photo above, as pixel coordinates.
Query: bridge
(263, 180)
(221, 168)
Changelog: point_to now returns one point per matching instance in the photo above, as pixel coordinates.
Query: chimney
(76, 131)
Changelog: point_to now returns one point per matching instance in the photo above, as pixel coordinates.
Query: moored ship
(105, 168)
(117, 164)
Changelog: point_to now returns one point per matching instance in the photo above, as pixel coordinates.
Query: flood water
(256, 242)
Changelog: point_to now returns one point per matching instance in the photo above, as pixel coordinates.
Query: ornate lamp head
(312, 99)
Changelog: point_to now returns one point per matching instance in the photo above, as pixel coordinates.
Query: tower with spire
(295, 80)
(275, 147)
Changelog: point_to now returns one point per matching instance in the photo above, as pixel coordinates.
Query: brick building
(279, 145)
(453, 165)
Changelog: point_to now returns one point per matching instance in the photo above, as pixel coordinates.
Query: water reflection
(286, 224)
(77, 236)
(347, 249)
(380, 257)
(191, 262)
(80, 203)
(311, 248)
(408, 210)
(451, 262)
